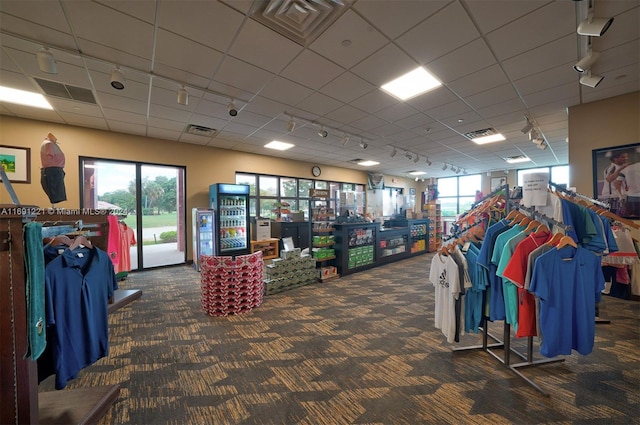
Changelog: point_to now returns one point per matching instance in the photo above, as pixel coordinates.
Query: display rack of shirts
(572, 194)
(486, 265)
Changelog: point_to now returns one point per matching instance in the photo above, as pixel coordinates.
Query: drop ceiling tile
(75, 107)
(18, 81)
(84, 120)
(542, 58)
(96, 23)
(453, 109)
(553, 94)
(346, 114)
(549, 78)
(114, 102)
(451, 26)
(374, 101)
(212, 24)
(396, 112)
(319, 104)
(163, 133)
(465, 60)
(347, 87)
(392, 20)
(364, 40)
(285, 91)
(433, 98)
(236, 73)
(193, 58)
(264, 48)
(492, 96)
(311, 70)
(194, 139)
(385, 65)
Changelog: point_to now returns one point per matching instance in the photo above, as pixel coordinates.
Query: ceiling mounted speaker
(594, 27)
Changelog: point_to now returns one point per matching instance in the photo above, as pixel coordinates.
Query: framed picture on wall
(16, 163)
(616, 179)
(497, 182)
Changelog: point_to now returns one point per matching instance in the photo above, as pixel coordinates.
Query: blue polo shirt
(78, 285)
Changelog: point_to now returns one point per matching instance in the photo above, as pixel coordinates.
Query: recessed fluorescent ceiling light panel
(411, 84)
(516, 159)
(281, 146)
(488, 139)
(417, 173)
(22, 97)
(368, 163)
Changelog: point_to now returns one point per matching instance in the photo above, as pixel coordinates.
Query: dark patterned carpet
(360, 349)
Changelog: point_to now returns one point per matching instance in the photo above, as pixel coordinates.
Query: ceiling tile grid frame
(497, 60)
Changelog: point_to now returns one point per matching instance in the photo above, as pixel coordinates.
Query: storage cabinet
(298, 231)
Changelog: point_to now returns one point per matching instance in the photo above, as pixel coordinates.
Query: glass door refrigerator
(231, 205)
(203, 237)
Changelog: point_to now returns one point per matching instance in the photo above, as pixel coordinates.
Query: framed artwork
(16, 163)
(616, 179)
(497, 182)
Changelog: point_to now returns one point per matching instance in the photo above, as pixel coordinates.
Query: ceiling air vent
(481, 133)
(66, 91)
(355, 161)
(200, 130)
(301, 21)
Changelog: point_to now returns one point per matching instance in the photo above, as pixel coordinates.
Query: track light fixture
(183, 96)
(527, 128)
(393, 153)
(345, 139)
(586, 62)
(231, 107)
(444, 166)
(291, 125)
(416, 159)
(363, 145)
(464, 172)
(594, 27)
(117, 79)
(46, 62)
(591, 80)
(408, 155)
(427, 161)
(542, 146)
(323, 133)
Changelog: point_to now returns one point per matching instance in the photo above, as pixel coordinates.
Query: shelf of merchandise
(355, 246)
(282, 211)
(323, 242)
(432, 210)
(392, 245)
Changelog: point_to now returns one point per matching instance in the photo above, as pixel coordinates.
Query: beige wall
(605, 123)
(205, 165)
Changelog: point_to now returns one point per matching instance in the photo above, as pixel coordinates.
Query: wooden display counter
(269, 248)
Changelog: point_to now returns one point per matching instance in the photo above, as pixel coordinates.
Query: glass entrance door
(150, 199)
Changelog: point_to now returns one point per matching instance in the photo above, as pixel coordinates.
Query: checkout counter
(360, 246)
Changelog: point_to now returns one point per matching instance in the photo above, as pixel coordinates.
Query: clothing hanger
(542, 229)
(554, 239)
(533, 224)
(566, 241)
(512, 214)
(80, 241)
(60, 240)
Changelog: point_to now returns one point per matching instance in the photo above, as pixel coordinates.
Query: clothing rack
(578, 195)
(22, 403)
(538, 215)
(461, 232)
(505, 345)
(504, 187)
